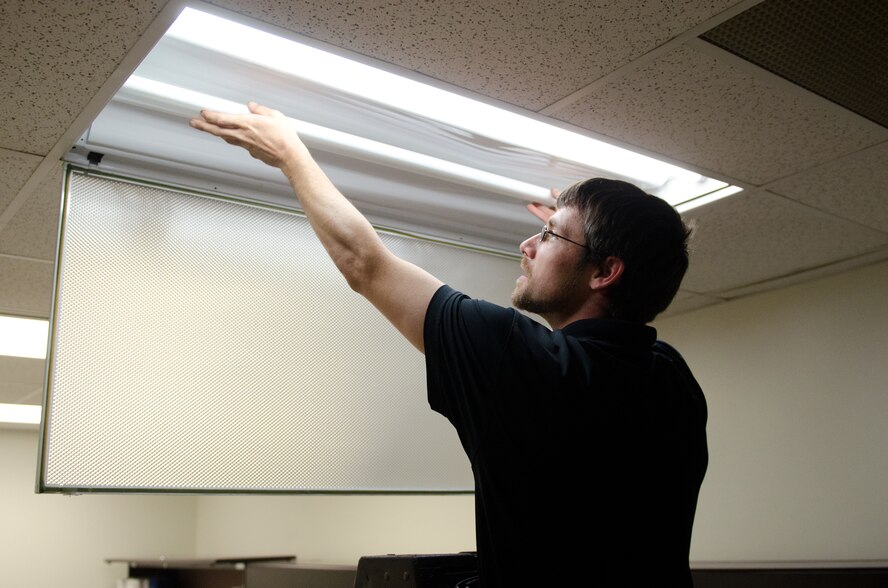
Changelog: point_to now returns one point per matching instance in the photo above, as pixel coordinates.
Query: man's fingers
(256, 108)
(232, 135)
(223, 119)
(260, 131)
(203, 125)
(541, 211)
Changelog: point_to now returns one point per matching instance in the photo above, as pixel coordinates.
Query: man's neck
(594, 307)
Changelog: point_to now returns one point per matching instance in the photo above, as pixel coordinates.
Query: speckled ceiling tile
(759, 236)
(21, 379)
(525, 53)
(15, 169)
(33, 231)
(25, 287)
(56, 55)
(700, 109)
(687, 301)
(854, 187)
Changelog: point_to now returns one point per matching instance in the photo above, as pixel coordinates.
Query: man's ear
(608, 273)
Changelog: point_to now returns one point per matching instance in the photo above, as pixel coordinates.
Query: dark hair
(621, 220)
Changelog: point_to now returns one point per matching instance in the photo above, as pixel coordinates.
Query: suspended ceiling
(813, 162)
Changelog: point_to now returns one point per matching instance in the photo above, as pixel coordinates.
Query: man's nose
(528, 246)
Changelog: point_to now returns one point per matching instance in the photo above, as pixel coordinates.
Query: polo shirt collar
(612, 330)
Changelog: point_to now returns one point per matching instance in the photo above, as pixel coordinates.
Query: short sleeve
(465, 340)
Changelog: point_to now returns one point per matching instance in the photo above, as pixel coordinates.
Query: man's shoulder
(485, 328)
(453, 305)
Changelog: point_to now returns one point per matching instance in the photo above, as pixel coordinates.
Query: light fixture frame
(397, 213)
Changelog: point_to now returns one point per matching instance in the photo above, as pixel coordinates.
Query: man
(587, 442)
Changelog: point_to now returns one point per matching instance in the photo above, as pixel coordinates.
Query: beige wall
(334, 529)
(797, 385)
(50, 540)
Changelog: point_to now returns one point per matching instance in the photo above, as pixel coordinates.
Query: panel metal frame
(43, 487)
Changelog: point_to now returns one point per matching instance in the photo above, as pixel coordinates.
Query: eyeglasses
(546, 232)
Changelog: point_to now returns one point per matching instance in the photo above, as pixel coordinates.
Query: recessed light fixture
(708, 198)
(361, 84)
(22, 337)
(20, 414)
(179, 101)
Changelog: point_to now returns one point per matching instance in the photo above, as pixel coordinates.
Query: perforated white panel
(203, 344)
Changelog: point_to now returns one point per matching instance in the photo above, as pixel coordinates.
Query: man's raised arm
(397, 288)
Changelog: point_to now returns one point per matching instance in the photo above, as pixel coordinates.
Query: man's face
(556, 277)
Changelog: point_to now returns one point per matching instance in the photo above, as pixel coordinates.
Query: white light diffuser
(707, 198)
(182, 102)
(21, 337)
(20, 414)
(373, 85)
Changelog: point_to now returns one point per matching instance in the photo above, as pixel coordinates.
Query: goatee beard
(562, 297)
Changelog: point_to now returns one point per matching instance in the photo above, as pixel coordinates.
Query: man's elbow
(358, 272)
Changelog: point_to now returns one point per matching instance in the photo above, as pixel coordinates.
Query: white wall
(797, 385)
(49, 540)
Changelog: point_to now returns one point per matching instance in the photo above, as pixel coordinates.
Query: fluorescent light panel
(21, 337)
(670, 182)
(20, 414)
(707, 198)
(164, 97)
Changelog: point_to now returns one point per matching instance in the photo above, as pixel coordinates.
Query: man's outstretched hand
(271, 137)
(542, 211)
(265, 133)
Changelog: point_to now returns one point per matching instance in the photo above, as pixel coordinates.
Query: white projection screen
(203, 344)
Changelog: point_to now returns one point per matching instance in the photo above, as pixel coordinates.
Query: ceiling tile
(529, 54)
(877, 256)
(25, 287)
(837, 50)
(759, 236)
(15, 169)
(687, 301)
(854, 187)
(33, 231)
(56, 56)
(701, 109)
(21, 380)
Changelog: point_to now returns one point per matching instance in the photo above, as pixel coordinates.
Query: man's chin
(522, 301)
(518, 296)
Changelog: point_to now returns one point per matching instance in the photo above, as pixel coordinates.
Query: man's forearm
(400, 290)
(345, 233)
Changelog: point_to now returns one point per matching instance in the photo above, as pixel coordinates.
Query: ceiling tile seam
(26, 258)
(849, 155)
(648, 57)
(17, 312)
(20, 152)
(781, 83)
(35, 394)
(666, 314)
(725, 294)
(703, 294)
(826, 212)
(779, 284)
(44, 169)
(125, 68)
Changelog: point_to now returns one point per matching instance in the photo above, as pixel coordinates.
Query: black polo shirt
(587, 444)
